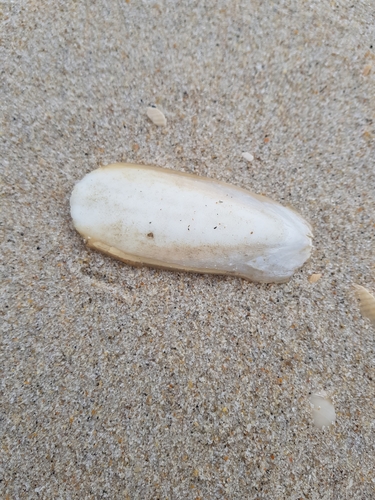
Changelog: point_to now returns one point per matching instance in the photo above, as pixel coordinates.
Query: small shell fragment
(248, 156)
(158, 217)
(366, 302)
(323, 411)
(366, 70)
(156, 116)
(314, 278)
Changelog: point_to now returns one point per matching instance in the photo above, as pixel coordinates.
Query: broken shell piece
(323, 411)
(314, 278)
(248, 156)
(162, 218)
(366, 302)
(156, 116)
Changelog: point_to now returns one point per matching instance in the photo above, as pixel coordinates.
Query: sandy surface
(127, 383)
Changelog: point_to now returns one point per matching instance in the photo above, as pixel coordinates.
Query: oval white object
(163, 218)
(248, 156)
(156, 116)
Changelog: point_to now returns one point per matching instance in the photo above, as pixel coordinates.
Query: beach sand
(133, 383)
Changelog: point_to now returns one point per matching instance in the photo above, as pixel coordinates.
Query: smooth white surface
(323, 410)
(190, 222)
(248, 156)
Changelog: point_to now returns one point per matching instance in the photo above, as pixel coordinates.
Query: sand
(134, 383)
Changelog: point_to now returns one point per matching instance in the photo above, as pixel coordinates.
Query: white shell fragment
(163, 218)
(323, 411)
(248, 156)
(366, 302)
(156, 116)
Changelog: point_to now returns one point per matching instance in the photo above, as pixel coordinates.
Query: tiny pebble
(314, 278)
(248, 156)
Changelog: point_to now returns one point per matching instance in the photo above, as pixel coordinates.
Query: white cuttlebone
(163, 218)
